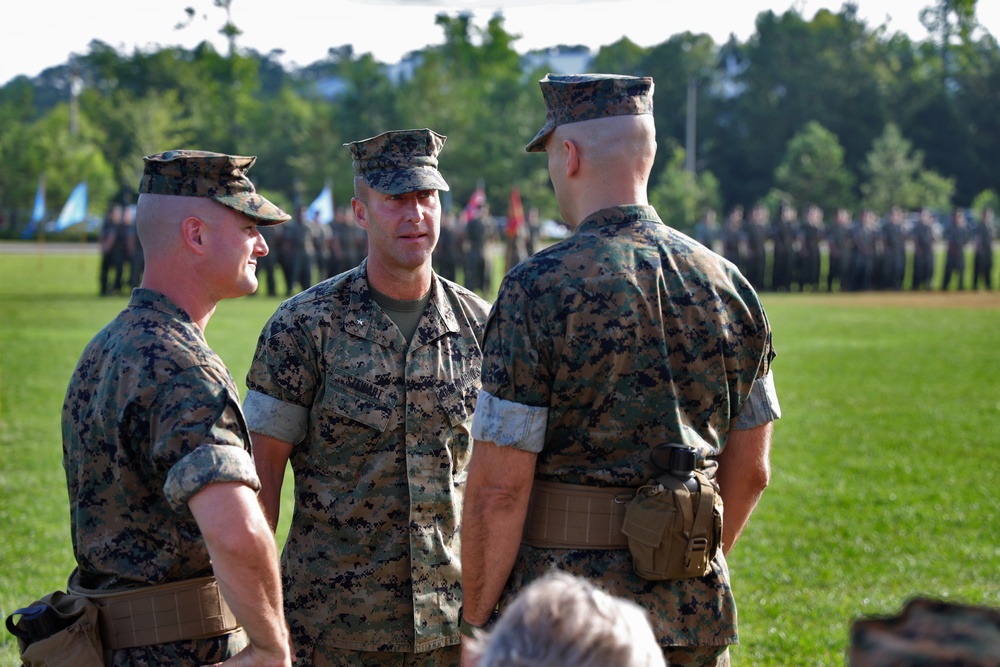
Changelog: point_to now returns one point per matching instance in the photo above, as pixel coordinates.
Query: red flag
(515, 216)
(476, 202)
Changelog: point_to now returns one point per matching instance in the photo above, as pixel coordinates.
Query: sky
(44, 34)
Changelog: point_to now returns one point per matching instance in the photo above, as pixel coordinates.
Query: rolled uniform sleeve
(761, 405)
(206, 465)
(509, 424)
(284, 376)
(275, 418)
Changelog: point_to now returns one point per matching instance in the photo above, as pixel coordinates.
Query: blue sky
(40, 36)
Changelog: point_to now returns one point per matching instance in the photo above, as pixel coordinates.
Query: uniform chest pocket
(355, 399)
(458, 398)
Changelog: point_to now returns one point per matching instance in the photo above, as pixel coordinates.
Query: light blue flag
(75, 209)
(38, 214)
(321, 210)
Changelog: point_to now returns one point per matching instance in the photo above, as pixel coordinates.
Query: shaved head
(158, 219)
(603, 142)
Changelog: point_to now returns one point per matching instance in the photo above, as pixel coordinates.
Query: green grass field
(885, 463)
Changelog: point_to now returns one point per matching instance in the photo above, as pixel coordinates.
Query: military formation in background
(804, 251)
(898, 251)
(304, 252)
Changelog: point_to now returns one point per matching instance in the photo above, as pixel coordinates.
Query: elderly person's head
(565, 621)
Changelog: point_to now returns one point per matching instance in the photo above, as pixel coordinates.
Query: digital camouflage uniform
(928, 633)
(151, 417)
(372, 557)
(625, 335)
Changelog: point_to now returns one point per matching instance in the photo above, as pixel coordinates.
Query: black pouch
(60, 630)
(674, 532)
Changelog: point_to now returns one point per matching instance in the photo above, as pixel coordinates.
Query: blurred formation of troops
(863, 252)
(304, 252)
(783, 253)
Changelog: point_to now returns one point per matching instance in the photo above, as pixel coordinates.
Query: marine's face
(236, 245)
(402, 229)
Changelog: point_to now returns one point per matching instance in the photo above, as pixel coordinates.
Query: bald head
(158, 220)
(616, 140)
(599, 163)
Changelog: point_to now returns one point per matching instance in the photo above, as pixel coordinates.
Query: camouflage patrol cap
(573, 98)
(218, 176)
(400, 161)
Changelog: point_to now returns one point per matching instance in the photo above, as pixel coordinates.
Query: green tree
(812, 170)
(896, 176)
(680, 197)
(789, 73)
(472, 89)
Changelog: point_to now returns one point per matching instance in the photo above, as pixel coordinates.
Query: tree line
(825, 110)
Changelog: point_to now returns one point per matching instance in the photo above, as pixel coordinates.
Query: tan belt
(178, 611)
(571, 516)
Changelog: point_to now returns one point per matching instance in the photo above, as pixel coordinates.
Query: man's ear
(192, 231)
(360, 212)
(572, 157)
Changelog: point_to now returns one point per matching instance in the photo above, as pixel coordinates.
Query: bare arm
(743, 474)
(270, 455)
(496, 502)
(245, 562)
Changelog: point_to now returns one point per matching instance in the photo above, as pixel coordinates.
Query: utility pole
(692, 109)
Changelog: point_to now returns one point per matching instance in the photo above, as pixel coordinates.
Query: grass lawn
(882, 463)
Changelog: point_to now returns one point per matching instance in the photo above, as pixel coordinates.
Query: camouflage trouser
(697, 656)
(325, 656)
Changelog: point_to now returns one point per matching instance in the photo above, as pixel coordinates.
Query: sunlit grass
(884, 463)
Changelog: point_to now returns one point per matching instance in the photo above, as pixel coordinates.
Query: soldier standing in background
(983, 250)
(478, 234)
(706, 230)
(534, 241)
(809, 257)
(783, 235)
(447, 251)
(756, 232)
(268, 264)
(837, 243)
(956, 237)
(894, 249)
(732, 237)
(366, 383)
(924, 235)
(113, 244)
(863, 251)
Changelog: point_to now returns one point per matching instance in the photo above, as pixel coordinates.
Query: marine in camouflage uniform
(375, 417)
(626, 335)
(152, 418)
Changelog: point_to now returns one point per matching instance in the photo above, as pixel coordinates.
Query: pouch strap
(172, 612)
(573, 516)
(696, 527)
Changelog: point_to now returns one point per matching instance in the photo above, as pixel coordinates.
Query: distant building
(555, 59)
(559, 59)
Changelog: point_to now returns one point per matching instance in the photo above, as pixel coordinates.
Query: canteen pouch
(674, 533)
(60, 630)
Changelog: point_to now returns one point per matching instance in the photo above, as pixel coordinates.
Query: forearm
(244, 560)
(496, 502)
(743, 474)
(271, 459)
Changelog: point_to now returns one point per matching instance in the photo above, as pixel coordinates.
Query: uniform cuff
(761, 406)
(206, 465)
(275, 418)
(509, 424)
